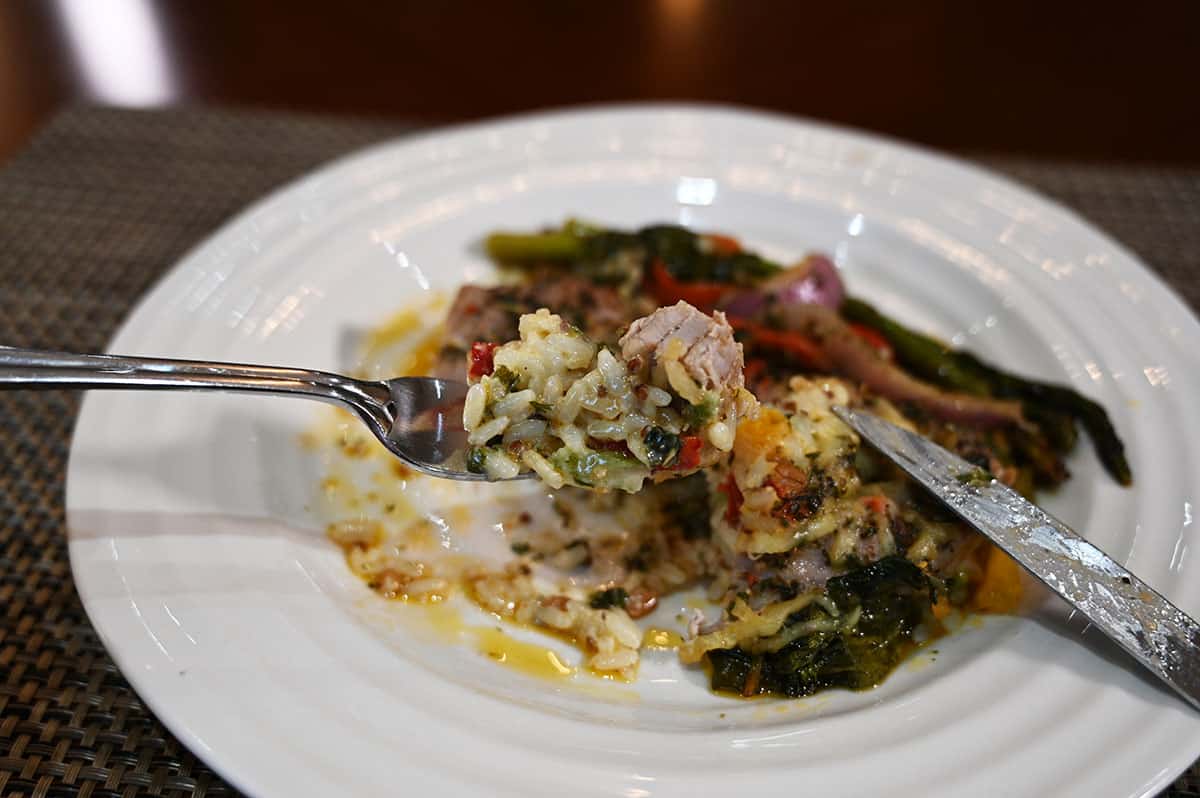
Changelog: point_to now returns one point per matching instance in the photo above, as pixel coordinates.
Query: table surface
(1019, 76)
(96, 208)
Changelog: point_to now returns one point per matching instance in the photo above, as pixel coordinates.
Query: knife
(1154, 631)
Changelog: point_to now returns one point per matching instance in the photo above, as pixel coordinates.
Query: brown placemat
(91, 213)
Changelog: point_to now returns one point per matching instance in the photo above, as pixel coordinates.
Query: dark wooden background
(1085, 81)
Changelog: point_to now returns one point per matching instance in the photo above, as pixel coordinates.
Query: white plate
(237, 622)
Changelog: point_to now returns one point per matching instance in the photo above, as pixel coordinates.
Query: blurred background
(1083, 81)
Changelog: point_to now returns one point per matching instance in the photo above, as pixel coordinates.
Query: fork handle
(34, 369)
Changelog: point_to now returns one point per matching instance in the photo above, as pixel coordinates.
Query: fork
(418, 419)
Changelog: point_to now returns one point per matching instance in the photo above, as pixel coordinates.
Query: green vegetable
(686, 501)
(681, 252)
(476, 456)
(589, 249)
(925, 357)
(520, 548)
(976, 477)
(528, 248)
(889, 598)
(592, 468)
(604, 599)
(1049, 406)
(697, 415)
(507, 377)
(661, 446)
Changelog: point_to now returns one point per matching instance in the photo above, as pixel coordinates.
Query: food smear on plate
(663, 404)
(822, 565)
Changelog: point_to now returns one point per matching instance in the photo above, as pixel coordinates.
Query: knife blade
(1154, 631)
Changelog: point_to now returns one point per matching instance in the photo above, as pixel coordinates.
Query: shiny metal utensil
(1158, 634)
(419, 419)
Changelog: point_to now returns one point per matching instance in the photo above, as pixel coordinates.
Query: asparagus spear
(925, 357)
(1046, 403)
(554, 245)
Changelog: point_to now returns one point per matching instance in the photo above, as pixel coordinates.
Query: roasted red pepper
(689, 452)
(876, 504)
(799, 348)
(722, 245)
(667, 290)
(480, 363)
(874, 339)
(734, 494)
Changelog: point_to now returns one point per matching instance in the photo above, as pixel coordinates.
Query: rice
(576, 414)
(609, 637)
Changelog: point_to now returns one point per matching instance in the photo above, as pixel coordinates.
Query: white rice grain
(486, 431)
(720, 435)
(516, 406)
(500, 466)
(542, 467)
(622, 627)
(529, 429)
(474, 406)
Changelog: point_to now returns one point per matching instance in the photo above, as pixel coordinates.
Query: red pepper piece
(689, 453)
(667, 290)
(734, 494)
(874, 339)
(480, 363)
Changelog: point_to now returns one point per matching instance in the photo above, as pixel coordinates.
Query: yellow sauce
(527, 658)
(497, 645)
(661, 638)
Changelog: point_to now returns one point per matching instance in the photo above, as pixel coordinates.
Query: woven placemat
(91, 213)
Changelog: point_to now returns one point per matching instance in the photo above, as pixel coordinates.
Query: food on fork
(665, 402)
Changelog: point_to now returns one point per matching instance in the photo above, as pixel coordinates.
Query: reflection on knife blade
(1158, 634)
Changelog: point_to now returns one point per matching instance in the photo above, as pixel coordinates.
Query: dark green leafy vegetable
(697, 415)
(686, 501)
(507, 377)
(605, 599)
(1049, 406)
(892, 598)
(661, 446)
(520, 548)
(681, 252)
(475, 459)
(588, 248)
(587, 469)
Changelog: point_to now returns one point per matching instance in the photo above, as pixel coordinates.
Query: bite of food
(663, 403)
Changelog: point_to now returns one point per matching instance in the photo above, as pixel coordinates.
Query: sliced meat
(481, 314)
(712, 357)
